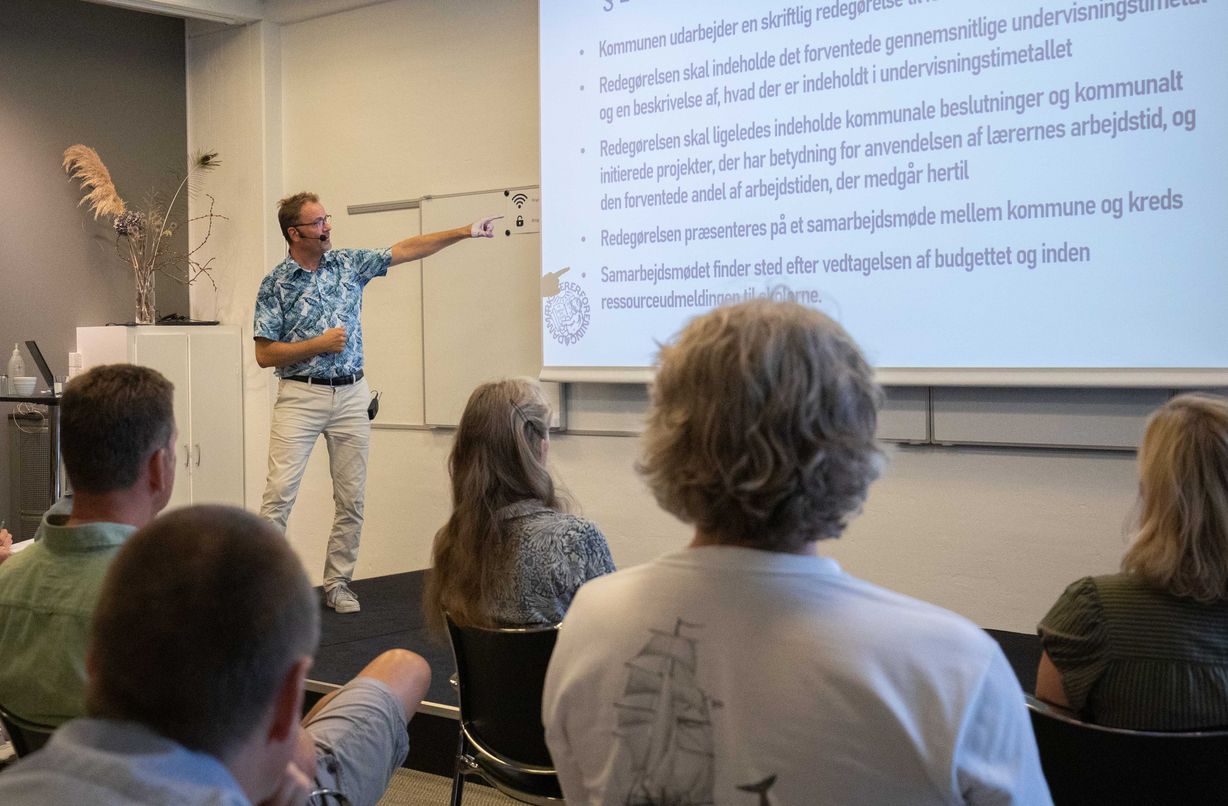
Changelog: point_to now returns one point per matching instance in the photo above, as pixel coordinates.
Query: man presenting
(308, 326)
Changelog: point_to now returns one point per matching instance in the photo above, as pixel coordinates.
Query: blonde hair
(497, 459)
(1181, 542)
(762, 426)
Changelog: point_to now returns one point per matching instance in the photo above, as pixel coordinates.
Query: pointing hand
(484, 228)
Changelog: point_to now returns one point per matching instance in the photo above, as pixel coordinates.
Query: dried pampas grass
(143, 236)
(82, 162)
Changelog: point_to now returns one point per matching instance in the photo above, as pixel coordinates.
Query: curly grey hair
(762, 426)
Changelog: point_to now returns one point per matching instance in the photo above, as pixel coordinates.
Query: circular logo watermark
(567, 314)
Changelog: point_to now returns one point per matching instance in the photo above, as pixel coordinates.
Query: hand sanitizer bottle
(17, 368)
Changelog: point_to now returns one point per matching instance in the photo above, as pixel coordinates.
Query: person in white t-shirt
(745, 668)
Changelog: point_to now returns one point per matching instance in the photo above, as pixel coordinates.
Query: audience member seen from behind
(202, 640)
(510, 553)
(117, 441)
(1147, 648)
(745, 664)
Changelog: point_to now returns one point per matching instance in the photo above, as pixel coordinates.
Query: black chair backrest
(1086, 763)
(500, 673)
(26, 736)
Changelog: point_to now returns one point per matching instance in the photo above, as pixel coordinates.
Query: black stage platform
(391, 617)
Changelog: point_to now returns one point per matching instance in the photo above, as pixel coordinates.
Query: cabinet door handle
(187, 456)
(198, 454)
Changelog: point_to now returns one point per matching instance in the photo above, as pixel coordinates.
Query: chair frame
(474, 755)
(1124, 766)
(26, 736)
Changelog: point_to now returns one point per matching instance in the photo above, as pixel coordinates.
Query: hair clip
(531, 423)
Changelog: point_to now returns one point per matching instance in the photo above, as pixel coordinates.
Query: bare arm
(1049, 683)
(420, 246)
(271, 353)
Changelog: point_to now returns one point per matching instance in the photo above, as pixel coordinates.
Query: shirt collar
(519, 509)
(85, 537)
(741, 558)
(291, 265)
(148, 753)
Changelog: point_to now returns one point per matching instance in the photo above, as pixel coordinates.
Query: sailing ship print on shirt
(665, 723)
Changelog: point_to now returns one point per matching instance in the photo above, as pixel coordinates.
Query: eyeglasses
(319, 222)
(324, 796)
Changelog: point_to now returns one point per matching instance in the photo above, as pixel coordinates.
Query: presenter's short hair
(1181, 543)
(112, 419)
(289, 208)
(202, 614)
(761, 431)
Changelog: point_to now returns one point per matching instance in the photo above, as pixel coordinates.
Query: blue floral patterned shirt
(294, 304)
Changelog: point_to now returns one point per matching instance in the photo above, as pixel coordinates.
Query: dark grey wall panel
(76, 72)
(1079, 418)
(905, 415)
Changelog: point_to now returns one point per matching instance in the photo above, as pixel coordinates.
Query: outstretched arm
(420, 246)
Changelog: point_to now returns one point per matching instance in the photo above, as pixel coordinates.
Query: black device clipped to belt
(373, 406)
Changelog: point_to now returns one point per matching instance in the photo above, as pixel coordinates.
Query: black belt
(344, 380)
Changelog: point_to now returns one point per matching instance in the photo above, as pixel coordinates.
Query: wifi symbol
(519, 199)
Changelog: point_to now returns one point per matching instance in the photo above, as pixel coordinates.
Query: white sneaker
(342, 599)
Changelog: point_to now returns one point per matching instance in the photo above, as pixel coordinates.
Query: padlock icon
(520, 221)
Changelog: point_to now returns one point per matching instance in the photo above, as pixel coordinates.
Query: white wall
(234, 107)
(405, 99)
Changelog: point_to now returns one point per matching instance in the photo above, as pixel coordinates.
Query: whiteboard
(480, 299)
(391, 318)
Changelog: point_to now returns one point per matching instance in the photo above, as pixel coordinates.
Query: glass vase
(145, 310)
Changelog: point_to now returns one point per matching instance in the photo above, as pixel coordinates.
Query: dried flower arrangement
(143, 237)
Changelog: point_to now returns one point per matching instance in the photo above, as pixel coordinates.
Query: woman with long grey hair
(510, 553)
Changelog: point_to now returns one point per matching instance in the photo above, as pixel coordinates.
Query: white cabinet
(205, 363)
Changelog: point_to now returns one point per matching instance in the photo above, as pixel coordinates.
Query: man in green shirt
(117, 440)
